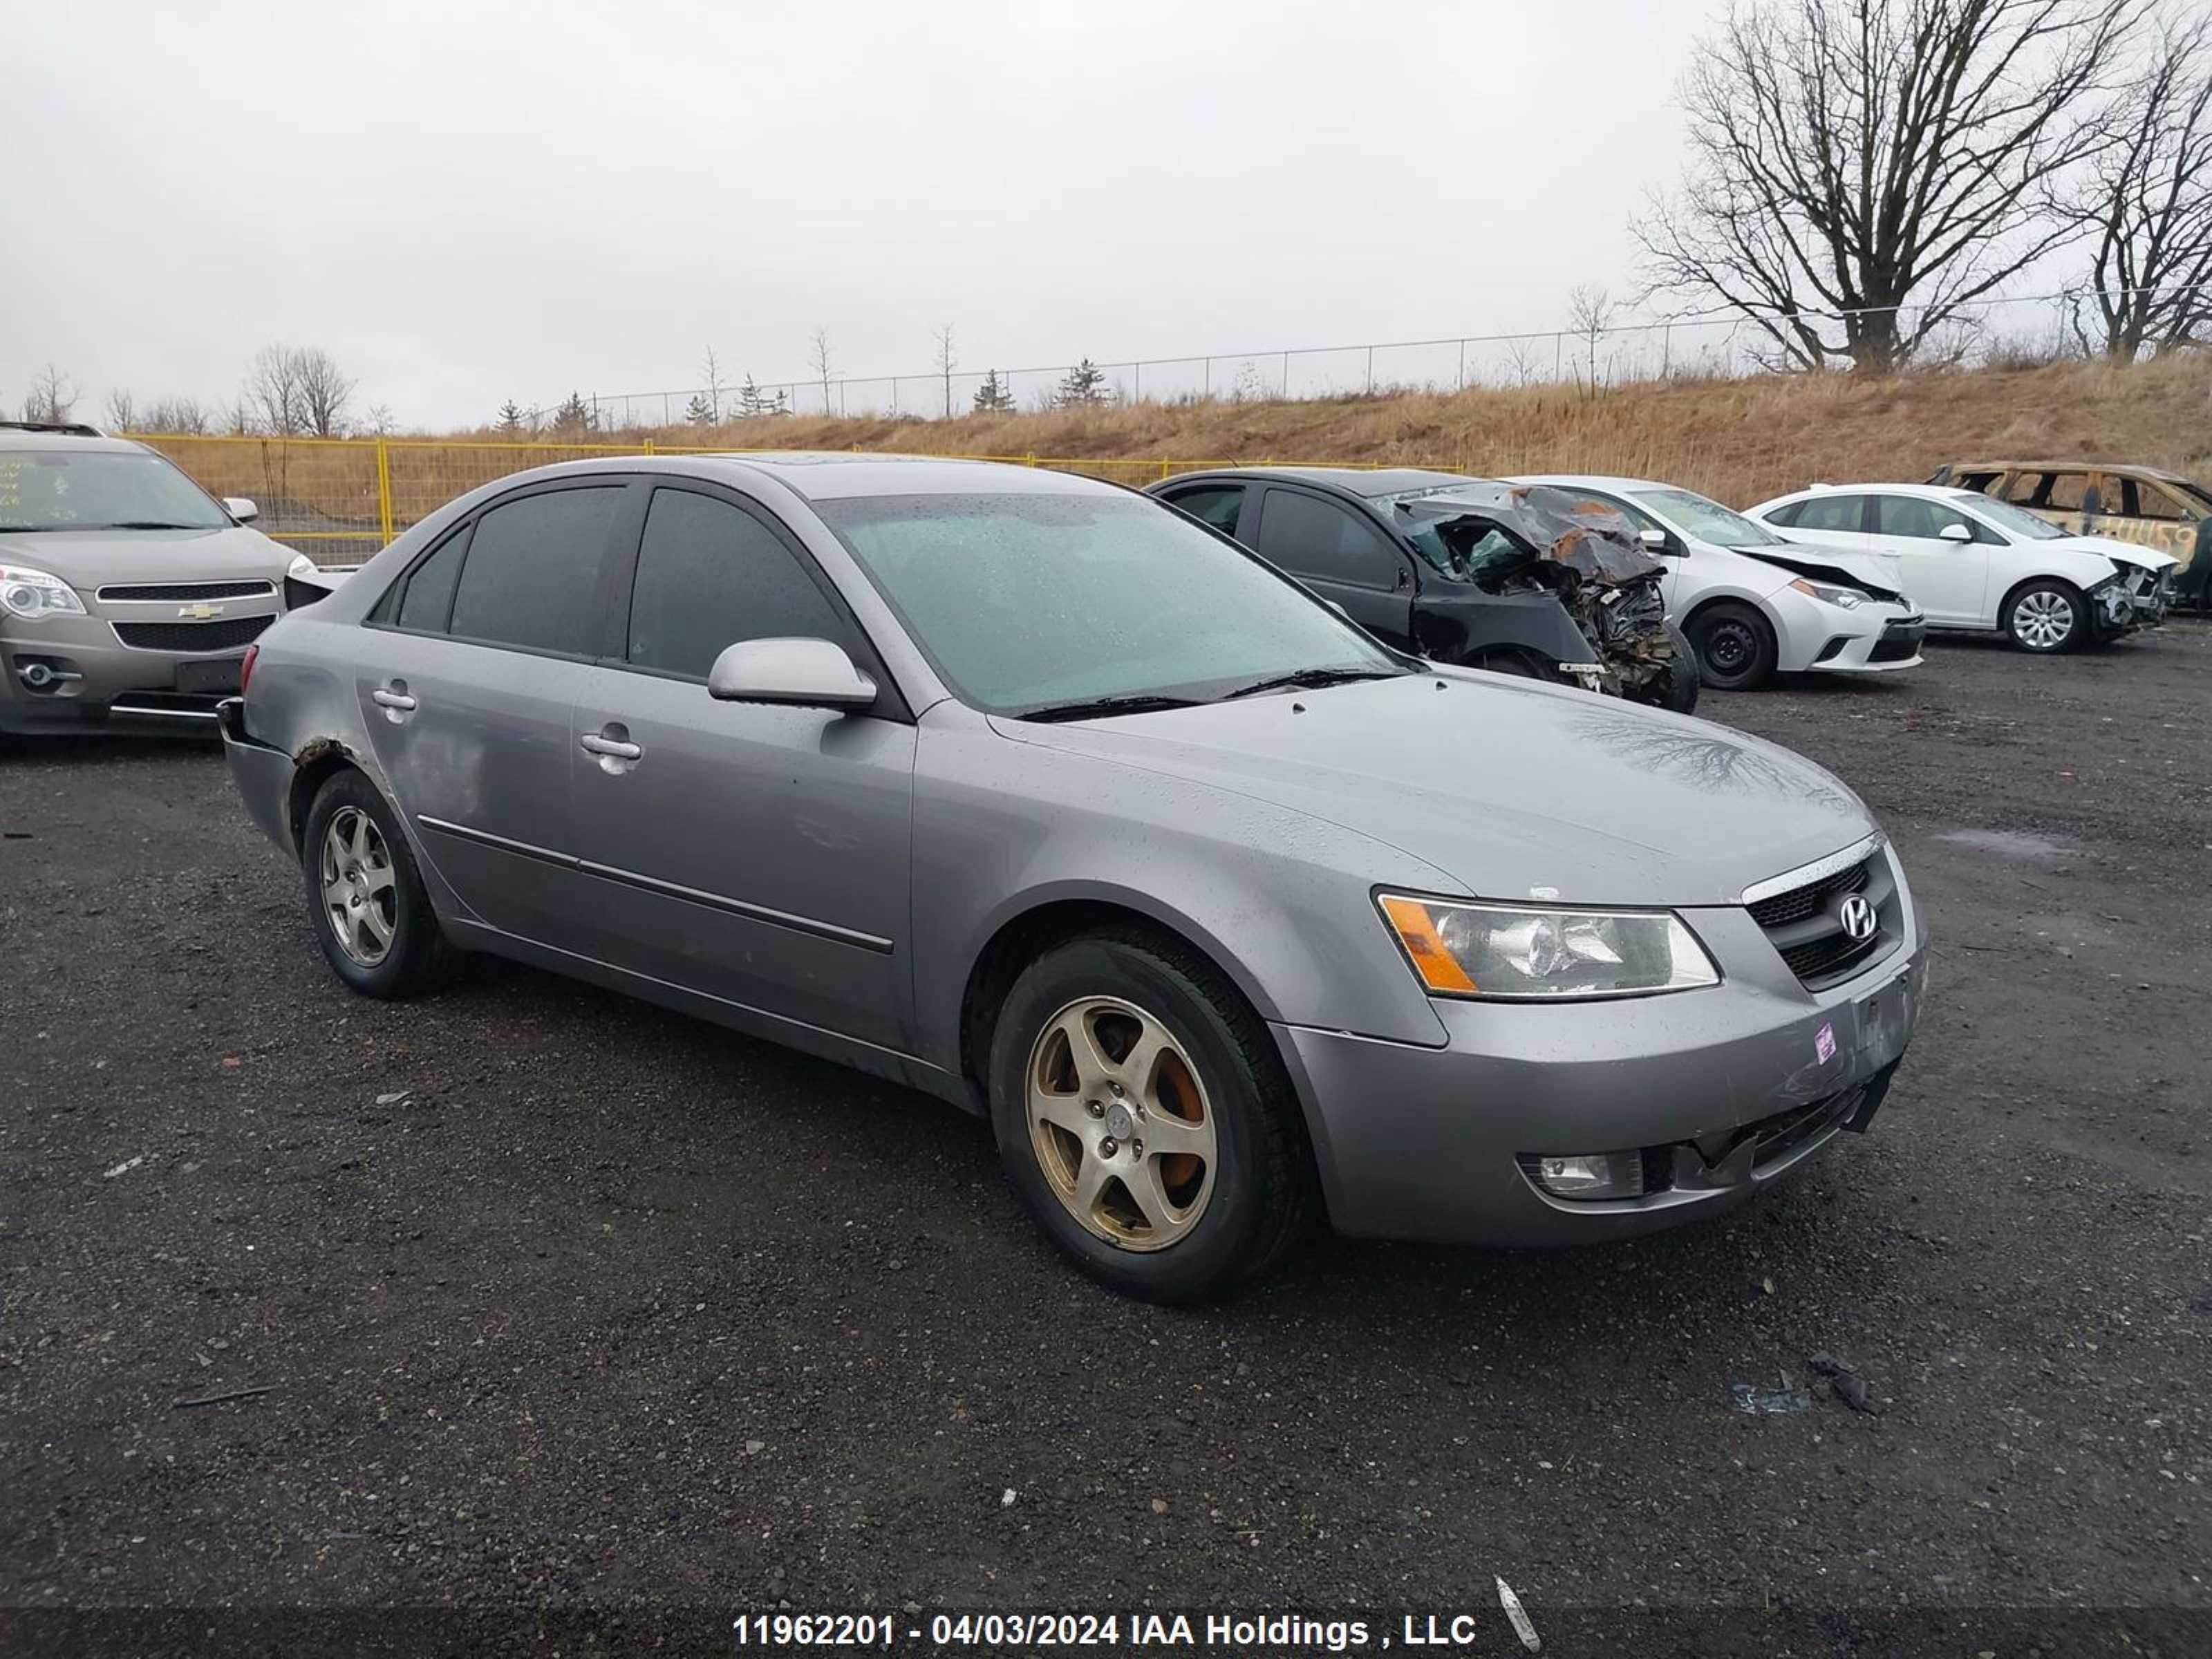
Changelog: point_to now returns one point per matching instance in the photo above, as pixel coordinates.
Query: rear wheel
(1144, 1119)
(2045, 617)
(371, 913)
(1734, 647)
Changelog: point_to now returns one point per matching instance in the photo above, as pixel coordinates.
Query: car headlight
(1514, 954)
(33, 594)
(1848, 598)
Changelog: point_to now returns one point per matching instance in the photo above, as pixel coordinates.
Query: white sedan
(1976, 562)
(1752, 603)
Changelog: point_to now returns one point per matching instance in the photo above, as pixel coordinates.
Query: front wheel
(2045, 617)
(1679, 690)
(1734, 647)
(1142, 1116)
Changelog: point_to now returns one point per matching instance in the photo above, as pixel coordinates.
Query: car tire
(2045, 617)
(1679, 692)
(1227, 1186)
(1734, 647)
(357, 866)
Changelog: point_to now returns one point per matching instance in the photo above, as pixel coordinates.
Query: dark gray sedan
(1028, 791)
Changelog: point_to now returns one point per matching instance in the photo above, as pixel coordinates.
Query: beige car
(2144, 505)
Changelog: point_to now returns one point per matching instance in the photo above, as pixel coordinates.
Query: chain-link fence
(338, 499)
(1602, 352)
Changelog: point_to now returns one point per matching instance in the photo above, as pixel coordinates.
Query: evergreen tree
(750, 400)
(574, 414)
(512, 422)
(1082, 386)
(699, 412)
(995, 395)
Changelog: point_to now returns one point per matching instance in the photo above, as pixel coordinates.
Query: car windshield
(1706, 519)
(1032, 602)
(2003, 514)
(99, 489)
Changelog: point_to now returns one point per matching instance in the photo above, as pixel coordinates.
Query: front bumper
(1723, 1091)
(2131, 600)
(1896, 645)
(75, 674)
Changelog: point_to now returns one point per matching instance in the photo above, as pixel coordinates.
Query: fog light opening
(1587, 1175)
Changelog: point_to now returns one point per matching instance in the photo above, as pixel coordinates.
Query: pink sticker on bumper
(1824, 1043)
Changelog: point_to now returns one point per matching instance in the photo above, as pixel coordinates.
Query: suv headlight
(1515, 954)
(33, 594)
(302, 567)
(1848, 598)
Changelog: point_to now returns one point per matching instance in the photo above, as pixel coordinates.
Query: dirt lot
(560, 1299)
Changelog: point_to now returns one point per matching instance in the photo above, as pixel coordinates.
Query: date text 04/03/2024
(1234, 1632)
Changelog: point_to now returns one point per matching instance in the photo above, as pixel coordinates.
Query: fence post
(1164, 467)
(1286, 377)
(648, 445)
(1558, 345)
(1370, 370)
(1460, 384)
(384, 490)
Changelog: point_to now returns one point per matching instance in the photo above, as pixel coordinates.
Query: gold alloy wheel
(1121, 1124)
(358, 891)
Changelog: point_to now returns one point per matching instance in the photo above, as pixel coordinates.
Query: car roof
(2123, 468)
(1367, 483)
(45, 435)
(837, 475)
(1949, 493)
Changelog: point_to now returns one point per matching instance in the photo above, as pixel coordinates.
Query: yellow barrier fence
(339, 500)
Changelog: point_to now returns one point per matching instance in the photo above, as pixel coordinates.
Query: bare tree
(121, 411)
(1879, 158)
(712, 369)
(271, 394)
(947, 359)
(237, 415)
(53, 395)
(2146, 204)
(325, 393)
(819, 354)
(176, 415)
(380, 421)
(1592, 311)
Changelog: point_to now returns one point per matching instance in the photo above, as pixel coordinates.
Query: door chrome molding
(761, 912)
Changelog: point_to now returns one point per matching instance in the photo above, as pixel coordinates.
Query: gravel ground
(559, 1300)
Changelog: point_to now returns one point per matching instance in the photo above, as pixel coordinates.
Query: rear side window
(1216, 504)
(710, 575)
(1786, 514)
(532, 576)
(1314, 538)
(428, 599)
(1830, 513)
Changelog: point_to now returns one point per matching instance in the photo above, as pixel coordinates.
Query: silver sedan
(1029, 793)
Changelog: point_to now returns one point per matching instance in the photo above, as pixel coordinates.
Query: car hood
(1510, 786)
(2119, 552)
(1881, 575)
(87, 558)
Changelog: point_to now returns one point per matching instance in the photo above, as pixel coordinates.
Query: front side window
(1912, 516)
(1027, 601)
(1707, 519)
(1321, 539)
(1831, 513)
(710, 575)
(1216, 504)
(2149, 501)
(99, 489)
(532, 576)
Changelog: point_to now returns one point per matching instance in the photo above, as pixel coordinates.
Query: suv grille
(226, 634)
(159, 591)
(1807, 931)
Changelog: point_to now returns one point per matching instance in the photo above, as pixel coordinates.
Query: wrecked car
(1529, 581)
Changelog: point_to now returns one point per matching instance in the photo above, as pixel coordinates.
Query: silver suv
(127, 593)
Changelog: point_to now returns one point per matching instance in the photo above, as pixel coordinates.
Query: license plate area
(208, 679)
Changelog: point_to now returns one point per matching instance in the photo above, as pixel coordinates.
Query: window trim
(625, 484)
(1246, 493)
(1402, 583)
(890, 702)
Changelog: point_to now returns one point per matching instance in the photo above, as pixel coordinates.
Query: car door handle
(594, 744)
(387, 698)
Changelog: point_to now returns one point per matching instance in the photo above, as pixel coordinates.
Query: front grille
(226, 634)
(1774, 1138)
(1899, 642)
(1806, 928)
(142, 592)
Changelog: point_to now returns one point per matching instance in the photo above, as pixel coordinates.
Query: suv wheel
(1145, 1121)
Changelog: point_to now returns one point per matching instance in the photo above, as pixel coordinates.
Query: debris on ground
(124, 1168)
(1850, 1386)
(1007, 1501)
(1523, 1627)
(1757, 1401)
(257, 1389)
(399, 1098)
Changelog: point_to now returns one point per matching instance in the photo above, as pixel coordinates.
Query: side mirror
(1662, 541)
(240, 509)
(1955, 533)
(799, 673)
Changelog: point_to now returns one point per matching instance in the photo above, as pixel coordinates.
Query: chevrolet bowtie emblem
(200, 612)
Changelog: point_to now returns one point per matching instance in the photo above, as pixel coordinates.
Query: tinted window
(531, 577)
(1830, 513)
(1318, 538)
(1218, 504)
(428, 598)
(709, 575)
(1786, 514)
(1909, 515)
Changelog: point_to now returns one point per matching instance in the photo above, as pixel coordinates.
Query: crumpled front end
(2138, 597)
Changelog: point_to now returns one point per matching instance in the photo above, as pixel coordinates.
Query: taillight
(246, 666)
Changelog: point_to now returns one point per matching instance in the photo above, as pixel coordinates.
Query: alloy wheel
(1121, 1124)
(360, 896)
(2043, 619)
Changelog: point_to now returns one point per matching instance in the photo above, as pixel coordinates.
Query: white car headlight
(1514, 954)
(33, 594)
(1848, 598)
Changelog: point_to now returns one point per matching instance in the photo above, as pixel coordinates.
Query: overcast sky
(465, 203)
